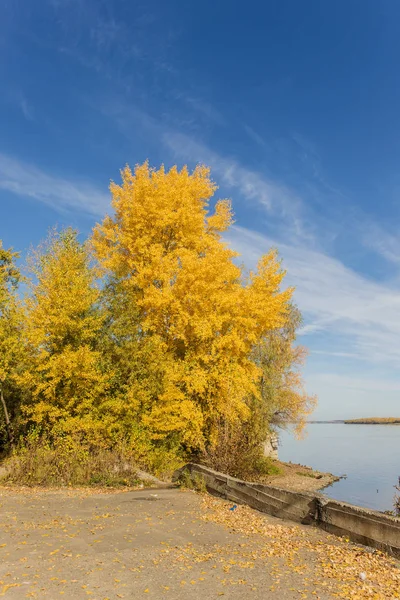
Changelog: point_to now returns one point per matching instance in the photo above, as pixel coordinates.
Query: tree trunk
(9, 427)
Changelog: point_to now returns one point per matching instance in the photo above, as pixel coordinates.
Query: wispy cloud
(16, 98)
(92, 33)
(206, 109)
(254, 136)
(347, 382)
(26, 109)
(382, 241)
(289, 214)
(337, 354)
(278, 200)
(26, 180)
(363, 316)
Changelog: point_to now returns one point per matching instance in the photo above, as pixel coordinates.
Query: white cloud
(26, 180)
(363, 316)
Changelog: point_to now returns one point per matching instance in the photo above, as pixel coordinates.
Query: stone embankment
(360, 525)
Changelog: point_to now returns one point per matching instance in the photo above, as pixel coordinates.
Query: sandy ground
(299, 478)
(166, 543)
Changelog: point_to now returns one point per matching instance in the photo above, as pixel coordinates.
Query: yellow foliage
(165, 345)
(63, 294)
(11, 353)
(190, 296)
(9, 313)
(64, 380)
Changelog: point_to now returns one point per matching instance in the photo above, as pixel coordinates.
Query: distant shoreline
(365, 421)
(373, 421)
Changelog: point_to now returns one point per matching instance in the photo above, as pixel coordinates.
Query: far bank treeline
(149, 336)
(374, 421)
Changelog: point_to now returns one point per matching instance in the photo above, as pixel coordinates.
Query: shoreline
(299, 478)
(365, 421)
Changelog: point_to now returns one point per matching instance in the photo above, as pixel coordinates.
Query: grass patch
(267, 466)
(309, 474)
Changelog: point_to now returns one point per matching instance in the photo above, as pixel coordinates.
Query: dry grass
(68, 462)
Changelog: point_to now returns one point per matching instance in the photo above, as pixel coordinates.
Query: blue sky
(294, 105)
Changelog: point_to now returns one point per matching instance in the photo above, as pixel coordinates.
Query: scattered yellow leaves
(335, 565)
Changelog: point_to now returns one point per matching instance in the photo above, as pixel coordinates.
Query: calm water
(368, 454)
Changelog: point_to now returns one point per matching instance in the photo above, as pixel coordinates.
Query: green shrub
(266, 466)
(193, 481)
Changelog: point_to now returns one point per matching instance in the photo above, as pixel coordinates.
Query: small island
(374, 421)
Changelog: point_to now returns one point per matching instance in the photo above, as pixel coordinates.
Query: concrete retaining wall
(358, 524)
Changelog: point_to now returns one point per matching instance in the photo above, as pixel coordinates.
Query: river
(369, 455)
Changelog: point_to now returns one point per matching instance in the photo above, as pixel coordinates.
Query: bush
(68, 461)
(78, 460)
(238, 451)
(194, 482)
(266, 466)
(163, 461)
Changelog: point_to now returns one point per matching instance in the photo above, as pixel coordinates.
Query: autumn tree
(65, 383)
(184, 302)
(10, 339)
(282, 400)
